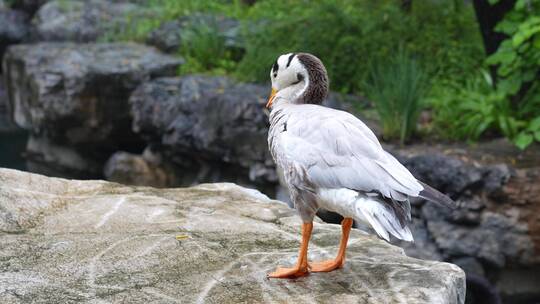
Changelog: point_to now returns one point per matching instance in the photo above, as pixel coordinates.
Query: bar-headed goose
(332, 160)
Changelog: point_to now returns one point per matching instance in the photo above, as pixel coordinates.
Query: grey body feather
(323, 148)
(330, 159)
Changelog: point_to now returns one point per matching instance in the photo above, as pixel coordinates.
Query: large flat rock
(67, 241)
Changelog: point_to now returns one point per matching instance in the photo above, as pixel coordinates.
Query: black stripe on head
(290, 59)
(275, 67)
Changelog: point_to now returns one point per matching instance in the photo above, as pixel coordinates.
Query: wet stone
(94, 241)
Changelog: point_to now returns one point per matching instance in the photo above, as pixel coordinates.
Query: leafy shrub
(518, 61)
(397, 88)
(349, 34)
(529, 134)
(511, 105)
(204, 49)
(447, 39)
(478, 108)
(466, 112)
(156, 12)
(346, 34)
(518, 57)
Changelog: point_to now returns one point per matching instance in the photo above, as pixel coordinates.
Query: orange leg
(301, 268)
(338, 262)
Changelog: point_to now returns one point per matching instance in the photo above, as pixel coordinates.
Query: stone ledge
(72, 241)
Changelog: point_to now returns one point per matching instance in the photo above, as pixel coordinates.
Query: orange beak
(271, 98)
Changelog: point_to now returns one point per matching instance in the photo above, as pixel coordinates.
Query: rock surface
(147, 169)
(75, 96)
(490, 226)
(92, 241)
(496, 232)
(81, 21)
(209, 125)
(207, 118)
(14, 28)
(28, 6)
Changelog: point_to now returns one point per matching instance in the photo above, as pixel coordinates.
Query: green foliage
(9, 3)
(397, 88)
(349, 34)
(518, 61)
(357, 40)
(509, 107)
(529, 134)
(204, 49)
(202, 45)
(518, 57)
(467, 112)
(478, 108)
(156, 12)
(346, 34)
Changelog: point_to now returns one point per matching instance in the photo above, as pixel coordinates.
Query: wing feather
(337, 150)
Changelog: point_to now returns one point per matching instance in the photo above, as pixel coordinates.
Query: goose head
(298, 78)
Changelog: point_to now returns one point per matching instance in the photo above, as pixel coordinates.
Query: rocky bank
(495, 234)
(73, 241)
(73, 99)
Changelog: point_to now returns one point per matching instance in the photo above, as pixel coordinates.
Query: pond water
(12, 146)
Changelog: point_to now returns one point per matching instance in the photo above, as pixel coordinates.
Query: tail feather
(382, 219)
(384, 216)
(431, 194)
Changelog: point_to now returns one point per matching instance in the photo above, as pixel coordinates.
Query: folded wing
(337, 150)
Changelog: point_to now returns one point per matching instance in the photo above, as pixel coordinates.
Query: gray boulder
(148, 169)
(82, 21)
(206, 117)
(423, 247)
(76, 95)
(493, 235)
(496, 221)
(14, 28)
(27, 6)
(92, 241)
(209, 125)
(496, 241)
(445, 173)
